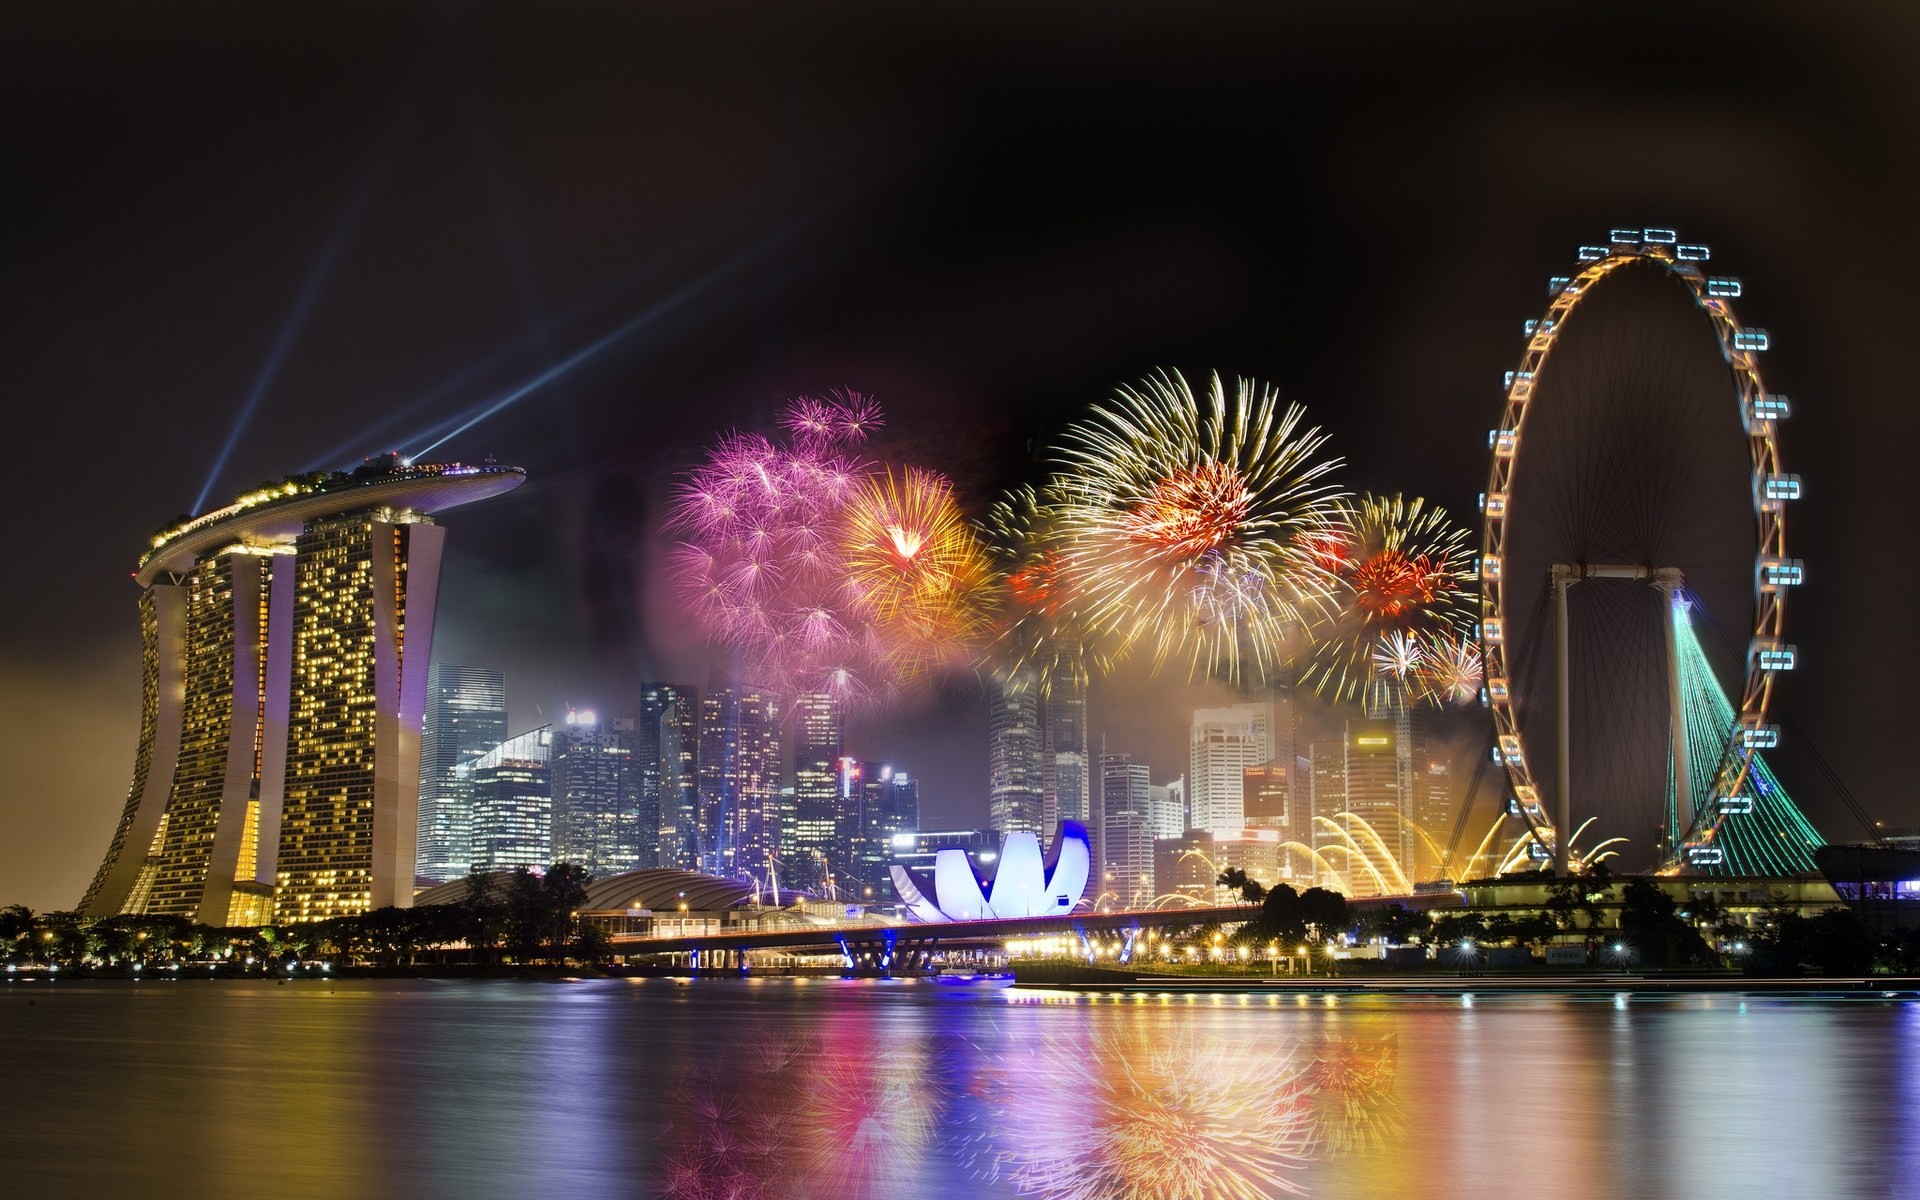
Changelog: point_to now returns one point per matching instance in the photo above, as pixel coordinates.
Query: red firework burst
(1190, 511)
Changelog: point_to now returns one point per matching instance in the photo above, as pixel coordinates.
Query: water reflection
(810, 1091)
(1140, 1106)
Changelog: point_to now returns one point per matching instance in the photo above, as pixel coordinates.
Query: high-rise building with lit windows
(1167, 808)
(466, 717)
(285, 643)
(596, 806)
(1124, 834)
(666, 759)
(1359, 812)
(1222, 744)
(511, 787)
(880, 804)
(740, 776)
(1016, 784)
(1066, 775)
(820, 842)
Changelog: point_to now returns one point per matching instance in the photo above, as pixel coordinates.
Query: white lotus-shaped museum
(1026, 884)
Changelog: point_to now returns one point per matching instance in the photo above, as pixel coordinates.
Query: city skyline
(974, 602)
(747, 305)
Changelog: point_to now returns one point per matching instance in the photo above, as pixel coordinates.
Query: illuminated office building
(740, 776)
(1066, 781)
(1327, 796)
(1223, 744)
(1167, 808)
(1184, 866)
(1123, 839)
(1269, 790)
(1365, 832)
(1016, 784)
(1434, 812)
(821, 838)
(596, 808)
(285, 641)
(667, 769)
(466, 717)
(880, 805)
(511, 787)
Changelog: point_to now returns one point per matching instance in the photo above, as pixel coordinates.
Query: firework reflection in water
(1152, 1112)
(1142, 1106)
(794, 1119)
(1351, 1081)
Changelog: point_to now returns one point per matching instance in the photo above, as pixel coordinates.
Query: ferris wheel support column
(1668, 580)
(1564, 575)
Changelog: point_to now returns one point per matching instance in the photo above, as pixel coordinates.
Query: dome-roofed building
(667, 901)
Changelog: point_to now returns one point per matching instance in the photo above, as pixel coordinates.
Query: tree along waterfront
(525, 919)
(1617, 921)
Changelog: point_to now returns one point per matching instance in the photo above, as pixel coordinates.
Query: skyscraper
(1015, 778)
(466, 717)
(1269, 790)
(1123, 840)
(1065, 775)
(596, 811)
(1167, 808)
(1224, 742)
(1374, 799)
(511, 787)
(666, 754)
(1434, 811)
(1327, 796)
(881, 803)
(285, 642)
(821, 841)
(1424, 776)
(740, 769)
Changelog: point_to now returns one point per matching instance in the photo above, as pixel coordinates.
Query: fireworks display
(1405, 612)
(1039, 631)
(915, 571)
(824, 570)
(1186, 526)
(1183, 526)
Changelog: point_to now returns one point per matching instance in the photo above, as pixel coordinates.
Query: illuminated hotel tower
(285, 641)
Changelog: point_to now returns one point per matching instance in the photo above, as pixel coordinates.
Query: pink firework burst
(764, 560)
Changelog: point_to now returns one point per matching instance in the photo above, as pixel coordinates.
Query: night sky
(374, 220)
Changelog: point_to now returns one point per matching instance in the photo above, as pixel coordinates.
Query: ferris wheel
(1627, 501)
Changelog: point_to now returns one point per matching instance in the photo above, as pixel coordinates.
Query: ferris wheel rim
(1739, 346)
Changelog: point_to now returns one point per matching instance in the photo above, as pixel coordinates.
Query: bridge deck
(827, 938)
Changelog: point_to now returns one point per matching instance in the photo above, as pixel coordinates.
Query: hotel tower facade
(285, 642)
